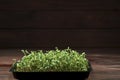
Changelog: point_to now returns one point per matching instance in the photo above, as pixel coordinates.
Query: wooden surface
(50, 23)
(60, 38)
(105, 63)
(61, 14)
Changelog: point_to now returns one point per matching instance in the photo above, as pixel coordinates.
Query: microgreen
(52, 60)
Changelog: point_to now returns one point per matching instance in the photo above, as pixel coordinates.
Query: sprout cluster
(52, 61)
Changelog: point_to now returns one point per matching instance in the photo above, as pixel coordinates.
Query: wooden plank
(73, 4)
(105, 66)
(61, 14)
(60, 38)
(52, 19)
(4, 73)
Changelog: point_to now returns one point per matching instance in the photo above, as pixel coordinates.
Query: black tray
(51, 75)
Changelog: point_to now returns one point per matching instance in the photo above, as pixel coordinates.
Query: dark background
(61, 23)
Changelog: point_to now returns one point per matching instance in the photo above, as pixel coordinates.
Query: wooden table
(105, 64)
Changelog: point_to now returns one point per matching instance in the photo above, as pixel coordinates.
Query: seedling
(52, 61)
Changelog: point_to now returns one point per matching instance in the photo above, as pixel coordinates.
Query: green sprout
(52, 61)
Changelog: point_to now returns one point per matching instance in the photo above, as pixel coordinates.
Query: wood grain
(59, 14)
(35, 38)
(44, 23)
(105, 63)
